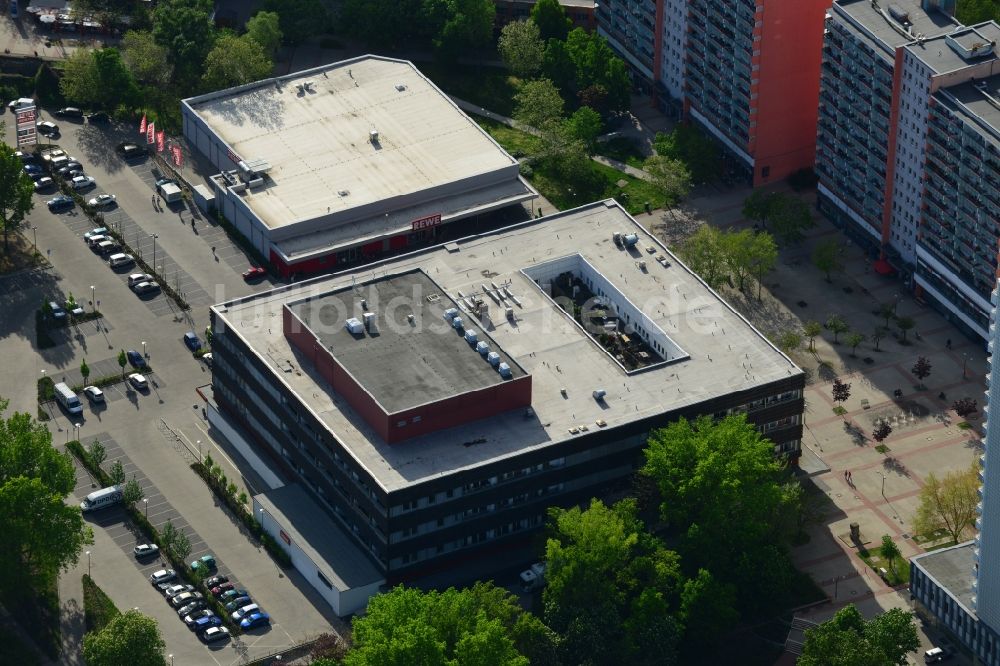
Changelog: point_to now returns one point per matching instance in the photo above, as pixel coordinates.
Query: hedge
(98, 608)
(279, 554)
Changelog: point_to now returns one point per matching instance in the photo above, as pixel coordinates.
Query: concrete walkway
(71, 625)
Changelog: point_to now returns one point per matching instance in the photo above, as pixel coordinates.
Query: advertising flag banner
(151, 133)
(142, 125)
(160, 141)
(177, 156)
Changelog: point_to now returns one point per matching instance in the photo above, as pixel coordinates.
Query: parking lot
(134, 422)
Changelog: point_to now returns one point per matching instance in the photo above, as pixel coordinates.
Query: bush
(46, 389)
(98, 609)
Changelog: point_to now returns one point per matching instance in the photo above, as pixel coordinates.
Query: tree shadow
(891, 464)
(857, 435)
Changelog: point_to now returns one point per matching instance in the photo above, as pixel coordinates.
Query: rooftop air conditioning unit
(354, 326)
(308, 85)
(373, 136)
(504, 371)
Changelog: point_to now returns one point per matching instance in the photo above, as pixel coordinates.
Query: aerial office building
(747, 71)
(436, 404)
(907, 150)
(336, 165)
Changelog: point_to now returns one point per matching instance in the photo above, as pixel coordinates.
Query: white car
(102, 201)
(50, 155)
(162, 576)
(146, 287)
(82, 182)
(46, 127)
(21, 101)
(136, 278)
(138, 381)
(213, 634)
(43, 183)
(93, 394)
(207, 358)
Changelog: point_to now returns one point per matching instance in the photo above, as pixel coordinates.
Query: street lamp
(155, 236)
(88, 564)
(93, 301)
(34, 234)
(198, 444)
(145, 504)
(144, 355)
(77, 427)
(895, 304)
(171, 659)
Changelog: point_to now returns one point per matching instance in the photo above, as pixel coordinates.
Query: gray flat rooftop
(317, 140)
(323, 541)
(404, 365)
(981, 108)
(953, 568)
(890, 32)
(726, 353)
(941, 58)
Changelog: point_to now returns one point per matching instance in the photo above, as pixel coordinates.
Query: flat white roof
(317, 140)
(726, 354)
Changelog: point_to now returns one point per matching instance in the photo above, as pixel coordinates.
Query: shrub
(98, 609)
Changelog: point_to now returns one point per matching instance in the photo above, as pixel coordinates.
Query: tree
(185, 29)
(790, 341)
(905, 324)
(848, 639)
(84, 370)
(757, 206)
(949, 503)
(708, 610)
(836, 325)
(301, 19)
(921, 369)
(841, 391)
(585, 125)
(132, 492)
(790, 216)
(478, 625)
(122, 361)
(853, 340)
(691, 146)
(265, 29)
(721, 486)
(117, 473)
(704, 253)
(538, 104)
(550, 17)
(145, 59)
(977, 11)
(889, 552)
(168, 535)
(878, 334)
(129, 638)
(611, 588)
(558, 67)
(521, 47)
(235, 61)
(825, 257)
(97, 453)
(597, 65)
(98, 78)
(812, 329)
(181, 546)
(881, 431)
(887, 311)
(746, 253)
(16, 189)
(964, 407)
(670, 177)
(468, 27)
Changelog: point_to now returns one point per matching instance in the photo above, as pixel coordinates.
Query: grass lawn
(98, 609)
(897, 575)
(514, 141)
(622, 149)
(490, 87)
(633, 195)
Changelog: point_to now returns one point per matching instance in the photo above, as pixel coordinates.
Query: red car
(219, 589)
(255, 273)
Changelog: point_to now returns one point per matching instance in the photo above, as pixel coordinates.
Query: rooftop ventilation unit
(471, 337)
(457, 323)
(354, 326)
(482, 347)
(450, 314)
(373, 136)
(308, 85)
(504, 371)
(631, 240)
(599, 395)
(493, 358)
(370, 324)
(400, 87)
(342, 193)
(899, 14)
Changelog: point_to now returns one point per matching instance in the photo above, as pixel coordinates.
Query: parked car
(216, 580)
(103, 201)
(162, 576)
(94, 394)
(45, 183)
(146, 287)
(59, 202)
(32, 168)
(207, 358)
(98, 117)
(16, 104)
(35, 177)
(50, 155)
(56, 311)
(237, 604)
(162, 587)
(46, 127)
(145, 549)
(138, 381)
(232, 594)
(136, 278)
(222, 587)
(192, 341)
(206, 561)
(69, 112)
(135, 359)
(185, 598)
(206, 622)
(68, 168)
(254, 273)
(130, 150)
(24, 157)
(213, 634)
(195, 605)
(191, 618)
(173, 590)
(254, 620)
(82, 182)
(99, 231)
(246, 608)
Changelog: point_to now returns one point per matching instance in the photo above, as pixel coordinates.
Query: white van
(101, 498)
(68, 399)
(120, 259)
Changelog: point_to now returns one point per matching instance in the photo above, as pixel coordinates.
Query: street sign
(24, 124)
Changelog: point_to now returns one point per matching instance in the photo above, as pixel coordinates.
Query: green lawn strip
(98, 609)
(490, 87)
(622, 149)
(897, 575)
(516, 142)
(632, 196)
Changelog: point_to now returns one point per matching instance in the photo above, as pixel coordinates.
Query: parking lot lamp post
(145, 505)
(78, 427)
(88, 564)
(198, 444)
(171, 659)
(155, 236)
(93, 302)
(144, 355)
(34, 233)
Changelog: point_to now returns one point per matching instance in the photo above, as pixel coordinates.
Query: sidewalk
(71, 626)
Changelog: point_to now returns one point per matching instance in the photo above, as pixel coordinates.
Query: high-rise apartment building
(907, 146)
(747, 71)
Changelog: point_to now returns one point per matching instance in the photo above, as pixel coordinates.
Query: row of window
(480, 537)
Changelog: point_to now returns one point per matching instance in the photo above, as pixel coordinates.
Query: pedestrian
(850, 479)
(845, 475)
(947, 343)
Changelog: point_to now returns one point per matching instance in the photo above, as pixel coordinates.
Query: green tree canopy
(825, 257)
(697, 151)
(129, 638)
(948, 503)
(790, 217)
(301, 19)
(704, 252)
(538, 104)
(847, 639)
(671, 177)
(585, 125)
(185, 29)
(478, 625)
(468, 27)
(235, 61)
(748, 254)
(16, 189)
(521, 47)
(977, 11)
(145, 58)
(559, 67)
(265, 29)
(550, 17)
(597, 65)
(612, 588)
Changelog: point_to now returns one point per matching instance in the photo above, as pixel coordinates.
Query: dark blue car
(60, 202)
(192, 341)
(203, 623)
(135, 359)
(32, 168)
(254, 620)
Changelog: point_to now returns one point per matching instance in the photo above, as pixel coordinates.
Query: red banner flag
(160, 141)
(142, 125)
(151, 133)
(177, 155)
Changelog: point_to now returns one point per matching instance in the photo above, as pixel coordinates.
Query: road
(154, 432)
